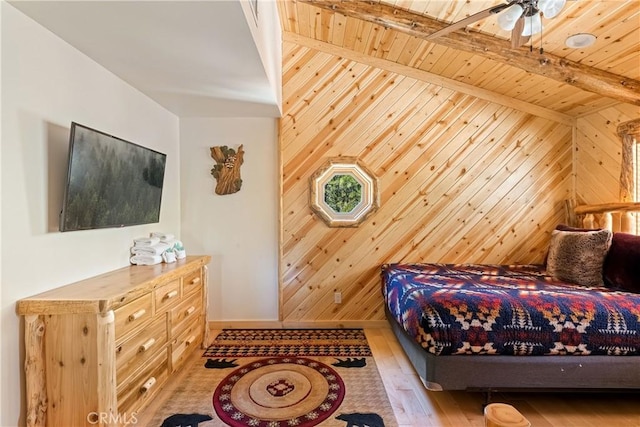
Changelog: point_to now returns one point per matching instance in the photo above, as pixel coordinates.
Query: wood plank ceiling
(616, 24)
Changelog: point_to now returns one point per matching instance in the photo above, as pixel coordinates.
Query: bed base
(519, 373)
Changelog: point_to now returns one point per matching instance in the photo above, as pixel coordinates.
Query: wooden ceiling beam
(587, 78)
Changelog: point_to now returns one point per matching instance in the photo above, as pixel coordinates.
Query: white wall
(1, 303)
(240, 230)
(45, 85)
(266, 31)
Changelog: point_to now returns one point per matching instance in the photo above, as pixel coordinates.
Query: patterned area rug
(278, 378)
(289, 342)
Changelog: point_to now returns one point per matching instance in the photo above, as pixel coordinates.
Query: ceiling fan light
(532, 25)
(508, 18)
(551, 8)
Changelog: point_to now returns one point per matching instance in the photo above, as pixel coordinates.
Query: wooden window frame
(369, 194)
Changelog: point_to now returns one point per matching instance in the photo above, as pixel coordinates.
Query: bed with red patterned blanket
(512, 327)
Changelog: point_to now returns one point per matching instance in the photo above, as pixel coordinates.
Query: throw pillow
(578, 256)
(622, 264)
(564, 227)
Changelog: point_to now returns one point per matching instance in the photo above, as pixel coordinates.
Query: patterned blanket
(509, 310)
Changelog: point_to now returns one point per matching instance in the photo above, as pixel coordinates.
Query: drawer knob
(189, 310)
(190, 340)
(147, 345)
(195, 280)
(138, 314)
(171, 294)
(147, 386)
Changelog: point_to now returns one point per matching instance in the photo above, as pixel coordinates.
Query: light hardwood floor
(414, 406)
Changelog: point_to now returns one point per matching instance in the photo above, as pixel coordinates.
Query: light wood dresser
(96, 351)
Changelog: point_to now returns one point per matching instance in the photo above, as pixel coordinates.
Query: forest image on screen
(111, 182)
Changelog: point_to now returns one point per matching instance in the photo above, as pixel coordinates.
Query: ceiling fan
(521, 17)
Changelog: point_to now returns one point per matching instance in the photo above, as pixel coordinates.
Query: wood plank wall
(599, 153)
(461, 180)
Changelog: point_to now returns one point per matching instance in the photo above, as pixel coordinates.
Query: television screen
(110, 182)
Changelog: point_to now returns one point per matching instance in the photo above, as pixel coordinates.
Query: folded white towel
(145, 259)
(146, 241)
(164, 237)
(156, 249)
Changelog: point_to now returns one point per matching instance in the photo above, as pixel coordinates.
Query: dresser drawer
(135, 393)
(184, 344)
(186, 313)
(166, 296)
(136, 351)
(192, 281)
(104, 345)
(134, 314)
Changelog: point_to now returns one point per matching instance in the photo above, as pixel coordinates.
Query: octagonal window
(343, 192)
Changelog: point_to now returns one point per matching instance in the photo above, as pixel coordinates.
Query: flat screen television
(110, 182)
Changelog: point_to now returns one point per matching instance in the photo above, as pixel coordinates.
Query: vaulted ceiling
(393, 34)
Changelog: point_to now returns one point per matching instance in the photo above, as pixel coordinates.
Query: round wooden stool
(503, 415)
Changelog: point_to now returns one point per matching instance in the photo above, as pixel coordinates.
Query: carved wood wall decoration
(227, 169)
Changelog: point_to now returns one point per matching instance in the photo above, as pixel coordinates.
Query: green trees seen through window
(343, 193)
